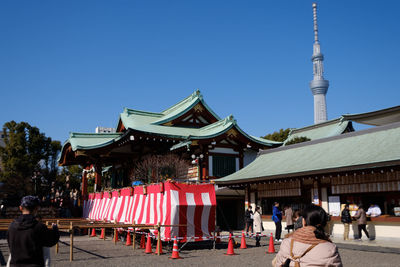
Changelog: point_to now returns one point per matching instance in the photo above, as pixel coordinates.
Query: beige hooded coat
(323, 254)
(257, 222)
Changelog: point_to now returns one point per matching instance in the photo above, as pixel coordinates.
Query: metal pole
(71, 247)
(57, 245)
(134, 237)
(158, 239)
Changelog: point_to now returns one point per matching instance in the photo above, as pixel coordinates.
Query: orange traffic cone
(102, 235)
(161, 252)
(230, 251)
(218, 240)
(93, 233)
(142, 242)
(128, 239)
(243, 242)
(175, 251)
(271, 247)
(148, 245)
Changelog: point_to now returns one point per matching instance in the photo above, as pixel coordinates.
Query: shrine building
(191, 129)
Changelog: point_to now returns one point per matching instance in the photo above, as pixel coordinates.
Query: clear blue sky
(74, 65)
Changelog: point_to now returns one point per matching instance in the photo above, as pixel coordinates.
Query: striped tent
(168, 203)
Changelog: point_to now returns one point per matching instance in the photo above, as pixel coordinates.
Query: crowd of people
(63, 198)
(306, 241)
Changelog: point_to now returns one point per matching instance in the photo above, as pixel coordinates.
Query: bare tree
(155, 168)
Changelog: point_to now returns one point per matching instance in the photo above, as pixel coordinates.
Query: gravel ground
(94, 252)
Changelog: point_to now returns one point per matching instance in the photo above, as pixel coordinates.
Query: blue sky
(74, 65)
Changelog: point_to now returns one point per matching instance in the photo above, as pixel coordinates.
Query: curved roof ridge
(318, 125)
(226, 120)
(93, 135)
(195, 95)
(130, 111)
(183, 106)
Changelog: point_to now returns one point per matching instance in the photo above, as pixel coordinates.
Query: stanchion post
(158, 239)
(57, 245)
(71, 246)
(115, 236)
(214, 241)
(134, 236)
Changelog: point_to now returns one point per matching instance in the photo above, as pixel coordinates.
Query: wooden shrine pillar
(97, 179)
(84, 188)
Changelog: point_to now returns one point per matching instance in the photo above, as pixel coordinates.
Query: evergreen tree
(28, 159)
(279, 136)
(282, 135)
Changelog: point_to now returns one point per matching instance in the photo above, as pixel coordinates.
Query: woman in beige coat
(309, 245)
(257, 225)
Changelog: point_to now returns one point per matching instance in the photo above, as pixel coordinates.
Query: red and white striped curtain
(168, 203)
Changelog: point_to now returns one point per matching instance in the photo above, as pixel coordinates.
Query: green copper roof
(137, 117)
(151, 123)
(351, 151)
(209, 131)
(321, 130)
(91, 140)
(183, 106)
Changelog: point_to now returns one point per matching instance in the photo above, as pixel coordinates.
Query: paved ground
(94, 252)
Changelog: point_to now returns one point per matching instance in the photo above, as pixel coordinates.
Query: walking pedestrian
(346, 220)
(277, 218)
(249, 219)
(27, 237)
(257, 224)
(289, 218)
(361, 217)
(309, 245)
(374, 211)
(298, 220)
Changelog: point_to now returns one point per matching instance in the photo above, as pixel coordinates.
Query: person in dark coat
(249, 220)
(27, 236)
(277, 218)
(346, 220)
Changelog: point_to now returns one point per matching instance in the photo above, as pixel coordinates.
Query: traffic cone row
(271, 247)
(128, 239)
(102, 235)
(159, 248)
(175, 251)
(93, 232)
(243, 242)
(230, 251)
(148, 245)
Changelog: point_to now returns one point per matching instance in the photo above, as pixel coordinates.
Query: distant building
(105, 130)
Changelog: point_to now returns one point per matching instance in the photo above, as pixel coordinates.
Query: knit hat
(30, 202)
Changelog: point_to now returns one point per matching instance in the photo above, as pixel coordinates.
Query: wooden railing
(71, 224)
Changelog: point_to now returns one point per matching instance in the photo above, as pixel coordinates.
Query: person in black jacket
(346, 220)
(249, 219)
(27, 236)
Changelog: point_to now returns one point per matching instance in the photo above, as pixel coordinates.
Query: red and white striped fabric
(168, 203)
